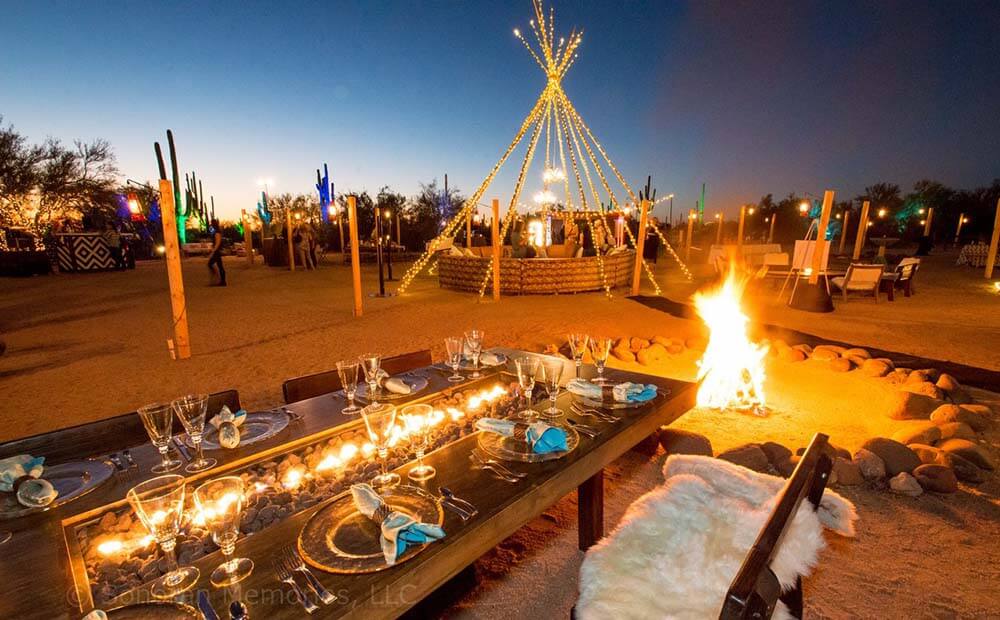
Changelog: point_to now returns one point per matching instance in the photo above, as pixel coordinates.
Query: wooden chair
(860, 278)
(317, 384)
(905, 271)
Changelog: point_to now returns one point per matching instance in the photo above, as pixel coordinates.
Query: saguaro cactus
(323, 186)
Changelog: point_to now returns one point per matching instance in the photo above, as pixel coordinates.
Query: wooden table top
(38, 575)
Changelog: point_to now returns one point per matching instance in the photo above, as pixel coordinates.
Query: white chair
(860, 278)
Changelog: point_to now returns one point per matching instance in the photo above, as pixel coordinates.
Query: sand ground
(88, 346)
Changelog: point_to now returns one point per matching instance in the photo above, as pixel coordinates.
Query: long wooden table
(41, 580)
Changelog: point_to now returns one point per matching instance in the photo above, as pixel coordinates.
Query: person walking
(216, 257)
(303, 241)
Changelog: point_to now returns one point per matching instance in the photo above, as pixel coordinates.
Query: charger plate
(70, 480)
(509, 449)
(418, 383)
(258, 426)
(155, 610)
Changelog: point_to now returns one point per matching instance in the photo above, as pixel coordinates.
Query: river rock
(918, 432)
(857, 352)
(957, 430)
(652, 354)
(954, 413)
(750, 456)
(898, 458)
(984, 414)
(936, 478)
(964, 470)
(836, 348)
(841, 365)
(787, 466)
(926, 453)
(911, 406)
(905, 484)
(622, 351)
(804, 348)
(875, 368)
(776, 453)
(825, 355)
(637, 344)
(923, 387)
(970, 451)
(697, 343)
(848, 473)
(791, 355)
(871, 465)
(676, 441)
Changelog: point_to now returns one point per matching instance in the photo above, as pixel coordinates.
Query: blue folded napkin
(34, 492)
(540, 436)
(399, 531)
(622, 393)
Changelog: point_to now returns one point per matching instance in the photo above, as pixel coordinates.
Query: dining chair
(860, 278)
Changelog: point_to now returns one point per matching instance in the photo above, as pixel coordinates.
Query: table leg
(590, 509)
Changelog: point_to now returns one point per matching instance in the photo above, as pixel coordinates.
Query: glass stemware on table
(456, 349)
(221, 502)
(159, 504)
(348, 372)
(600, 349)
(578, 346)
(191, 410)
(158, 418)
(417, 419)
(380, 418)
(527, 372)
(474, 340)
(371, 363)
(552, 376)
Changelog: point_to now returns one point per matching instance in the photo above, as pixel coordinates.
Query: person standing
(216, 257)
(114, 242)
(303, 240)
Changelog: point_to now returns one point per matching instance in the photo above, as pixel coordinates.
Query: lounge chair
(317, 384)
(905, 271)
(860, 278)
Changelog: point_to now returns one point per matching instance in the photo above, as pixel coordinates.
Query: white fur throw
(678, 547)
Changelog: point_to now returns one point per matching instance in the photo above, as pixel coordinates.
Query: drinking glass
(455, 348)
(527, 369)
(600, 348)
(474, 338)
(191, 410)
(371, 364)
(552, 374)
(159, 504)
(158, 418)
(221, 502)
(577, 346)
(348, 371)
(418, 419)
(380, 418)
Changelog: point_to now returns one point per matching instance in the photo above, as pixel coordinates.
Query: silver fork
(589, 431)
(285, 575)
(485, 460)
(465, 506)
(295, 563)
(594, 413)
(499, 473)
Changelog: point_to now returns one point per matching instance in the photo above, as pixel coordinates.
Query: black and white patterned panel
(84, 253)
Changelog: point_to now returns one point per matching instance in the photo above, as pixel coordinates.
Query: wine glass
(191, 410)
(348, 371)
(577, 346)
(158, 418)
(371, 363)
(552, 374)
(474, 338)
(600, 348)
(417, 419)
(380, 418)
(455, 348)
(527, 369)
(221, 502)
(159, 504)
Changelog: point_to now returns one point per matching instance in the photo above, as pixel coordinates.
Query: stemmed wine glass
(159, 504)
(455, 348)
(380, 418)
(371, 363)
(221, 502)
(474, 338)
(418, 419)
(191, 410)
(577, 346)
(552, 374)
(158, 418)
(348, 371)
(527, 369)
(600, 348)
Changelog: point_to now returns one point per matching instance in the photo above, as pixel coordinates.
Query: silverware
(589, 431)
(128, 459)
(182, 449)
(293, 416)
(462, 514)
(205, 606)
(485, 460)
(285, 576)
(594, 413)
(467, 506)
(120, 471)
(294, 563)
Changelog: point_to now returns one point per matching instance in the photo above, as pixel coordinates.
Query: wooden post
(958, 231)
(687, 248)
(291, 246)
(680, 240)
(927, 222)
(399, 231)
(640, 243)
(497, 242)
(770, 234)
(824, 221)
(739, 231)
(843, 231)
(859, 241)
(352, 224)
(718, 231)
(247, 236)
(340, 229)
(991, 258)
(178, 304)
(468, 228)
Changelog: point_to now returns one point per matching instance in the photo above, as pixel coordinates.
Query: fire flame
(732, 369)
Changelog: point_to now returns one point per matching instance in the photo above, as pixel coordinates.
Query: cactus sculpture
(324, 187)
(178, 203)
(262, 209)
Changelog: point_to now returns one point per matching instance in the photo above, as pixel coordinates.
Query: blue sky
(748, 97)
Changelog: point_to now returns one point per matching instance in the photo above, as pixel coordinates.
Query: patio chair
(905, 271)
(317, 384)
(860, 278)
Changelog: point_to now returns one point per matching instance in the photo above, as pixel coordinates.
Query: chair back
(317, 384)
(755, 590)
(906, 269)
(863, 276)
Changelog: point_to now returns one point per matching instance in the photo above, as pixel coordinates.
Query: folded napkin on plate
(398, 530)
(226, 415)
(486, 358)
(228, 424)
(393, 384)
(540, 436)
(21, 474)
(622, 393)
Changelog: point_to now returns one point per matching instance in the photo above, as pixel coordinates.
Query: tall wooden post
(291, 246)
(843, 231)
(958, 231)
(927, 222)
(468, 228)
(640, 244)
(824, 221)
(739, 230)
(352, 224)
(181, 345)
(718, 231)
(687, 248)
(399, 231)
(992, 256)
(497, 242)
(859, 241)
(770, 234)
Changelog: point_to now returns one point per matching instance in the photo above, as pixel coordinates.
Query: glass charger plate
(154, 610)
(258, 426)
(466, 363)
(417, 383)
(71, 480)
(601, 404)
(510, 449)
(339, 539)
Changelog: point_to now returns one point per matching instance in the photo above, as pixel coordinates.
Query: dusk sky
(748, 97)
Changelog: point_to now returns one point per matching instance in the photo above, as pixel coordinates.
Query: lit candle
(110, 547)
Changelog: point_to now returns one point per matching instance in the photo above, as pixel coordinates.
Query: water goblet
(474, 340)
(417, 419)
(159, 504)
(380, 419)
(158, 418)
(455, 348)
(600, 348)
(371, 363)
(348, 371)
(577, 346)
(191, 410)
(527, 370)
(552, 375)
(220, 503)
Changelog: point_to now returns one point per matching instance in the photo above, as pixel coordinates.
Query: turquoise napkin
(540, 436)
(33, 493)
(399, 531)
(622, 393)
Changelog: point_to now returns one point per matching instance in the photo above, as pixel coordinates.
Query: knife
(181, 448)
(206, 607)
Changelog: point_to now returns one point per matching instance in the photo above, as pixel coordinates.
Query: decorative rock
(675, 348)
(936, 478)
(787, 466)
(918, 432)
(697, 343)
(983, 412)
(911, 406)
(923, 387)
(836, 348)
(825, 355)
(926, 453)
(972, 452)
(637, 344)
(917, 376)
(964, 470)
(804, 348)
(652, 354)
(623, 352)
(905, 484)
(932, 374)
(749, 456)
(676, 441)
(661, 340)
(857, 360)
(841, 365)
(957, 430)
(857, 352)
(791, 355)
(848, 473)
(776, 453)
(947, 383)
(954, 413)
(875, 368)
(898, 458)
